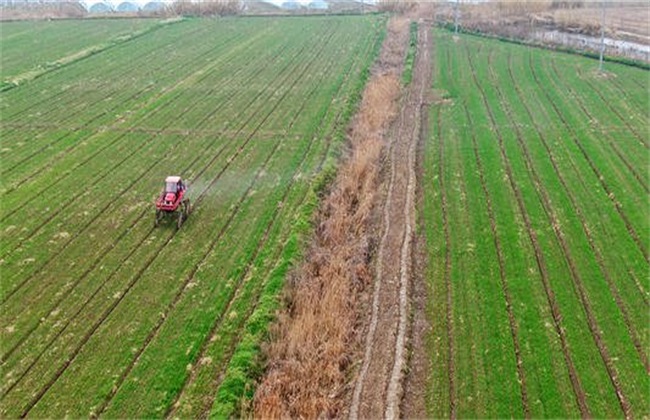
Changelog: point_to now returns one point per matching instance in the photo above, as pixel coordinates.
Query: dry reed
(313, 341)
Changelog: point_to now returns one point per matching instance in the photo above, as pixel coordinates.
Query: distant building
(100, 7)
(153, 6)
(290, 5)
(127, 6)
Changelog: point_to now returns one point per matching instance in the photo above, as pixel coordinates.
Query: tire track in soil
(512, 320)
(578, 209)
(539, 256)
(610, 141)
(90, 223)
(619, 208)
(236, 291)
(639, 286)
(566, 252)
(220, 374)
(235, 210)
(378, 388)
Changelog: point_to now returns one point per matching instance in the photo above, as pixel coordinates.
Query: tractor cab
(174, 189)
(172, 200)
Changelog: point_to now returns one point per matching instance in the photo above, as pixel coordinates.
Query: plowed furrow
(224, 228)
(512, 321)
(105, 315)
(539, 256)
(620, 303)
(232, 96)
(219, 375)
(612, 142)
(619, 208)
(560, 237)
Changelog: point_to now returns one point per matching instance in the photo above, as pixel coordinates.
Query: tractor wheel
(181, 218)
(159, 216)
(188, 208)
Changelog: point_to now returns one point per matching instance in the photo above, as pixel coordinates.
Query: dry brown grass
(627, 20)
(314, 338)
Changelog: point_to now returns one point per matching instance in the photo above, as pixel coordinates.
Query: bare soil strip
(378, 388)
(539, 256)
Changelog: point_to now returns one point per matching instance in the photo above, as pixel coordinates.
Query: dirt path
(378, 388)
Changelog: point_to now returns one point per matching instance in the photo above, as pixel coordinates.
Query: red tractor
(172, 201)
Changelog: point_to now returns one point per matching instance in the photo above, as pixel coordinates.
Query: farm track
(512, 321)
(539, 255)
(560, 236)
(577, 208)
(197, 201)
(218, 375)
(237, 288)
(619, 208)
(378, 388)
(186, 110)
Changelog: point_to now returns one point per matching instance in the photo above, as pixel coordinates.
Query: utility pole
(456, 12)
(602, 35)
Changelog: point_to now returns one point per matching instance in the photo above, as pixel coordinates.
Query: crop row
(51, 41)
(542, 315)
(154, 296)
